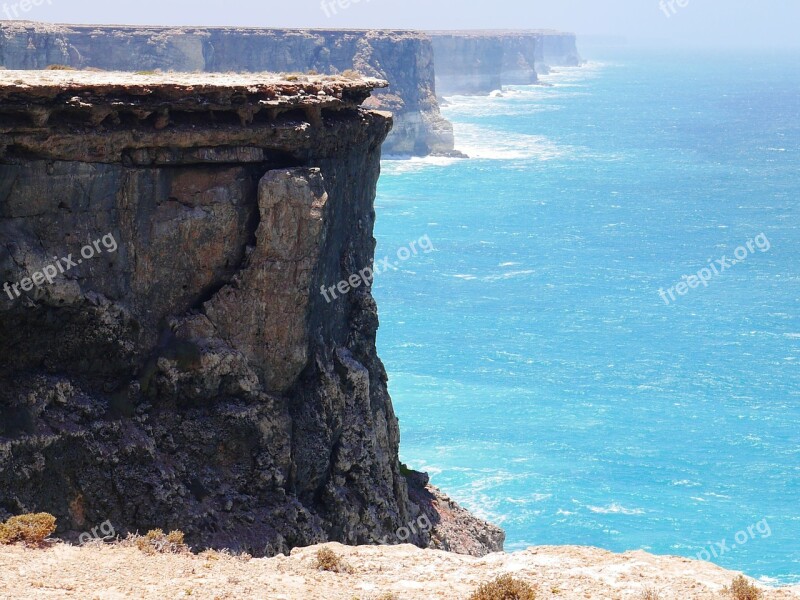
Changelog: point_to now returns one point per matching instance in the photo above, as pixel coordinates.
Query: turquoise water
(537, 373)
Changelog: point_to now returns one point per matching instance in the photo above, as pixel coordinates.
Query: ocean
(579, 360)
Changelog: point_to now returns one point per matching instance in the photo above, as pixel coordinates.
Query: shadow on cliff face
(173, 386)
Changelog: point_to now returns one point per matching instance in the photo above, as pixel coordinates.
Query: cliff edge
(403, 58)
(400, 572)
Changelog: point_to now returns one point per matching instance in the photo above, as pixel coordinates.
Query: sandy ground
(565, 573)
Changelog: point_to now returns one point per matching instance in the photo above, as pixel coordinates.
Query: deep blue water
(537, 373)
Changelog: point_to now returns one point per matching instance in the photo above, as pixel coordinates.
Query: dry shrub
(157, 542)
(742, 589)
(651, 594)
(505, 587)
(60, 68)
(30, 529)
(328, 560)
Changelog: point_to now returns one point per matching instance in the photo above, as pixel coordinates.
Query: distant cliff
(167, 359)
(557, 49)
(479, 62)
(404, 58)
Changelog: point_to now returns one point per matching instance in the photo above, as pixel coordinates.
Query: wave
(397, 165)
(615, 509)
(480, 142)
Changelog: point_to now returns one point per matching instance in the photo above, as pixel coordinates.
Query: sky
(721, 23)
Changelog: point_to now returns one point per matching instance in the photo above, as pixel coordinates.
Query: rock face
(557, 49)
(166, 357)
(404, 58)
(452, 528)
(479, 62)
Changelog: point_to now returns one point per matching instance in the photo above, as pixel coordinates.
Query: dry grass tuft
(651, 594)
(328, 560)
(29, 529)
(59, 68)
(157, 542)
(742, 589)
(504, 587)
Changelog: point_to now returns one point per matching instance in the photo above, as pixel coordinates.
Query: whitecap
(615, 508)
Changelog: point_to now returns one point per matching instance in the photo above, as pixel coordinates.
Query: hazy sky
(707, 22)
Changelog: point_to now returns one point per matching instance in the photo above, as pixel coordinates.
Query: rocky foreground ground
(397, 572)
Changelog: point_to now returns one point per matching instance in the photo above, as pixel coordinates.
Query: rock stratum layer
(191, 375)
(479, 62)
(404, 58)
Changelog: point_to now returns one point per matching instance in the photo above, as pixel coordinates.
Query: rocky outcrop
(166, 357)
(452, 528)
(404, 58)
(479, 62)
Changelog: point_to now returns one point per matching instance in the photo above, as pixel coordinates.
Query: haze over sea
(537, 373)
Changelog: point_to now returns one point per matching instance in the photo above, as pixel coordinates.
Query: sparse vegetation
(146, 72)
(742, 589)
(651, 594)
(31, 529)
(505, 587)
(157, 542)
(328, 560)
(60, 68)
(351, 74)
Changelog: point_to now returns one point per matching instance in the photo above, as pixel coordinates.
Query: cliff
(166, 357)
(479, 62)
(557, 49)
(404, 58)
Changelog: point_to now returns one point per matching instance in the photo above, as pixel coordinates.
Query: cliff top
(62, 27)
(496, 32)
(44, 27)
(564, 573)
(207, 91)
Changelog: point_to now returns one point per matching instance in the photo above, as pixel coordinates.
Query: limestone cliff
(166, 357)
(557, 49)
(404, 58)
(479, 62)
